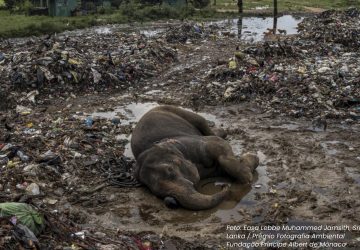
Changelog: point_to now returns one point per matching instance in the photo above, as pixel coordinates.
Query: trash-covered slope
(314, 73)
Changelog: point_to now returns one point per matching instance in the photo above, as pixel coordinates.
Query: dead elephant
(175, 148)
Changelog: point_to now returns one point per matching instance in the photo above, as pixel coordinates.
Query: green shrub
(25, 6)
(159, 12)
(151, 2)
(50, 27)
(90, 7)
(105, 10)
(10, 4)
(187, 11)
(200, 4)
(116, 3)
(207, 13)
(133, 12)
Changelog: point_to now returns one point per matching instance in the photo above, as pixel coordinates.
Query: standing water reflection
(252, 29)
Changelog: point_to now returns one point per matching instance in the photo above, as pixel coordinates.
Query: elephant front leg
(240, 168)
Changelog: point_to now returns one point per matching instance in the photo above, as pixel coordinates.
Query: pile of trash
(24, 226)
(52, 161)
(300, 75)
(187, 32)
(86, 62)
(342, 27)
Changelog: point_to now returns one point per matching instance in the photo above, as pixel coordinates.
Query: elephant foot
(244, 175)
(171, 202)
(220, 132)
(249, 161)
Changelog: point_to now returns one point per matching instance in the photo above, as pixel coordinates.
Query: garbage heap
(189, 32)
(333, 27)
(87, 62)
(315, 73)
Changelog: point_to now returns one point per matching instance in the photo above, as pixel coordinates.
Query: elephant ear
(139, 163)
(137, 171)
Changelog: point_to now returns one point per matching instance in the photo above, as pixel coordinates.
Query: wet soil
(305, 175)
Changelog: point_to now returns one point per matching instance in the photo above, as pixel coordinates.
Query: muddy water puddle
(332, 148)
(252, 29)
(131, 113)
(353, 174)
(151, 33)
(241, 195)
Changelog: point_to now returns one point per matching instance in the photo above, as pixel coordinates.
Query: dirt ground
(306, 175)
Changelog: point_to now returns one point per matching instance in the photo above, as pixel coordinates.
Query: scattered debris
(66, 161)
(59, 64)
(24, 214)
(189, 32)
(310, 74)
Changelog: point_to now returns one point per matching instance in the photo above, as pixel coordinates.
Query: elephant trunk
(190, 198)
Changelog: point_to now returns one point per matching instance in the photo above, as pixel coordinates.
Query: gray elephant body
(175, 148)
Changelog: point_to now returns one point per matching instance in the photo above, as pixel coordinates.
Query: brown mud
(305, 175)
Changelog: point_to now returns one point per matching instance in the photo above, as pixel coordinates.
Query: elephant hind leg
(220, 132)
(250, 160)
(239, 168)
(236, 168)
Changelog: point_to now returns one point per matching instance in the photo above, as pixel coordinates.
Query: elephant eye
(176, 161)
(170, 172)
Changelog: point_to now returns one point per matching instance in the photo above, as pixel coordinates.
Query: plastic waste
(33, 189)
(25, 215)
(22, 156)
(89, 121)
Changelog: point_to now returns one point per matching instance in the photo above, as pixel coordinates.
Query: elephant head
(166, 172)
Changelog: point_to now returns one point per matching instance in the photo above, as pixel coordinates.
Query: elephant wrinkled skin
(175, 148)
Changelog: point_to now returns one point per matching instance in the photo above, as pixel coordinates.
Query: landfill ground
(302, 120)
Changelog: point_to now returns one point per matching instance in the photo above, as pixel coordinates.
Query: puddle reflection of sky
(253, 28)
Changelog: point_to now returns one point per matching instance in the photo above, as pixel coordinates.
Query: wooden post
(240, 6)
(275, 8)
(275, 16)
(240, 25)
